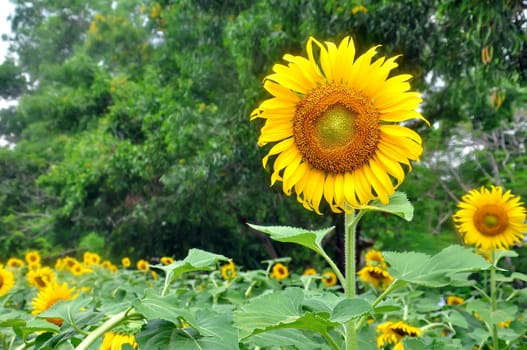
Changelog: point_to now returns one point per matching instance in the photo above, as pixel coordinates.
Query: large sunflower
(333, 120)
(394, 332)
(491, 219)
(49, 296)
(115, 341)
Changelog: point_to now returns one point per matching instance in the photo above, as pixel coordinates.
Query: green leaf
(154, 306)
(71, 311)
(196, 260)
(437, 270)
(304, 237)
(349, 309)
(398, 205)
(281, 338)
(161, 334)
(278, 310)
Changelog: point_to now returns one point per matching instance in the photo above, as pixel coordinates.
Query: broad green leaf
(503, 313)
(160, 334)
(311, 239)
(437, 270)
(514, 276)
(39, 325)
(278, 310)
(287, 337)
(398, 205)
(154, 306)
(196, 260)
(349, 309)
(72, 311)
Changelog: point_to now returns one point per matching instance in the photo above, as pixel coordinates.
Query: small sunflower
(374, 258)
(166, 260)
(228, 271)
(376, 276)
(333, 121)
(126, 262)
(491, 219)
(90, 258)
(114, 341)
(329, 278)
(142, 265)
(279, 271)
(392, 333)
(33, 257)
(41, 277)
(7, 281)
(49, 296)
(309, 272)
(454, 300)
(15, 263)
(78, 269)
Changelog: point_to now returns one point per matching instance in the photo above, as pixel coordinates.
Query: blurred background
(125, 124)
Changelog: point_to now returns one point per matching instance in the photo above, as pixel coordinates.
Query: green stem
(334, 266)
(330, 340)
(350, 227)
(493, 302)
(393, 286)
(106, 326)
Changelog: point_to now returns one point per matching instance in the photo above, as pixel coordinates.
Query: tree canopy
(132, 119)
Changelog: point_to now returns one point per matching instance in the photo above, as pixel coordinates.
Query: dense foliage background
(131, 135)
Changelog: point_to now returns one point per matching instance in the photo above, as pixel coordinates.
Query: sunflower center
(491, 220)
(336, 129)
(1, 281)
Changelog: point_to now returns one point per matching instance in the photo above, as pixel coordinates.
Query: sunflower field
(263, 175)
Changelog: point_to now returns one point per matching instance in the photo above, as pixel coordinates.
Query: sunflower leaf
(308, 238)
(437, 270)
(279, 310)
(349, 309)
(196, 260)
(398, 205)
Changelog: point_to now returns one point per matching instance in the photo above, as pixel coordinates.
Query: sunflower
(334, 126)
(228, 271)
(279, 271)
(33, 257)
(394, 332)
(114, 341)
(374, 258)
(41, 277)
(453, 300)
(126, 262)
(15, 263)
(375, 275)
(142, 265)
(166, 260)
(90, 258)
(329, 278)
(491, 219)
(309, 272)
(49, 296)
(7, 280)
(78, 269)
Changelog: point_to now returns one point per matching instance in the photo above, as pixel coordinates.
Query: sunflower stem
(106, 326)
(493, 302)
(351, 219)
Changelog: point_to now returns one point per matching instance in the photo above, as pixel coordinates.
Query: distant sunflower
(329, 278)
(376, 276)
(33, 257)
(333, 121)
(454, 300)
(309, 272)
(49, 296)
(279, 271)
(142, 265)
(374, 258)
(394, 332)
(114, 341)
(166, 260)
(41, 277)
(15, 263)
(228, 271)
(491, 219)
(126, 262)
(7, 280)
